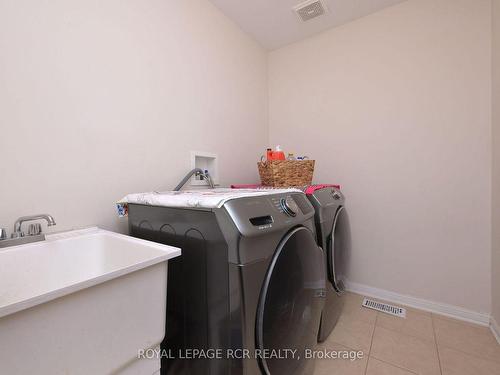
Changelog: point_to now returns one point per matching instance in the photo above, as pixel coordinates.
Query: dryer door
(290, 304)
(335, 252)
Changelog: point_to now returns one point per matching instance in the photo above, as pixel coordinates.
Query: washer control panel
(286, 205)
(264, 213)
(289, 206)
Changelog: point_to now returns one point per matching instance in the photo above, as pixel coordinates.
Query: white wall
(396, 107)
(98, 99)
(102, 98)
(496, 164)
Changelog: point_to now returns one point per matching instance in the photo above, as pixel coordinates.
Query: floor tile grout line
(371, 342)
(378, 359)
(346, 346)
(435, 342)
(420, 339)
(410, 334)
(436, 319)
(474, 355)
(393, 365)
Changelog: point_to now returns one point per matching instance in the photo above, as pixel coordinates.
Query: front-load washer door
(336, 252)
(290, 305)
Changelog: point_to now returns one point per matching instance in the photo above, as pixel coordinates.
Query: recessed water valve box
(206, 161)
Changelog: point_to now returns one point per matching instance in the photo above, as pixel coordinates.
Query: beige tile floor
(423, 344)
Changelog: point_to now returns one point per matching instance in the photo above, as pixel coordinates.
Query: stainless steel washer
(251, 277)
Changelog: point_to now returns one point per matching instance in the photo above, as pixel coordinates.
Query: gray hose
(197, 172)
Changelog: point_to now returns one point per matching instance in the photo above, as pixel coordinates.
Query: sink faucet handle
(17, 225)
(34, 229)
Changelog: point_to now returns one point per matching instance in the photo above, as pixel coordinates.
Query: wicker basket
(285, 173)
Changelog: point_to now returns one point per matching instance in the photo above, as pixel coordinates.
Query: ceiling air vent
(310, 9)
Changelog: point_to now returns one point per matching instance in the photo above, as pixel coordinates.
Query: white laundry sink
(82, 302)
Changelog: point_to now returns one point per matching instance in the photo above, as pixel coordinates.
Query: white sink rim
(162, 254)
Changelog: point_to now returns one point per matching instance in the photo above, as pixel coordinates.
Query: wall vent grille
(384, 307)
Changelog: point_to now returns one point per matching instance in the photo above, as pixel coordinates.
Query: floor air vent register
(384, 307)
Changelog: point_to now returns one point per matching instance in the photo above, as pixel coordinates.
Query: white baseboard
(422, 304)
(495, 328)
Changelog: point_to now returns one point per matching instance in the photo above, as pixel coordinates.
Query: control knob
(289, 206)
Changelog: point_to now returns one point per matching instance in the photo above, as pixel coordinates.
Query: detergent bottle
(278, 154)
(269, 154)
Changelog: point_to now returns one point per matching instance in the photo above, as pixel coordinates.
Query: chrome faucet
(197, 172)
(34, 233)
(17, 225)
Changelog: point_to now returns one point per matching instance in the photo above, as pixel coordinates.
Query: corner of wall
(495, 329)
(495, 136)
(495, 191)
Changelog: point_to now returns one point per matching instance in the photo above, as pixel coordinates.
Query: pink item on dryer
(309, 189)
(312, 188)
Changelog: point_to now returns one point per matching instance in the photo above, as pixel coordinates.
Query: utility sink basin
(82, 302)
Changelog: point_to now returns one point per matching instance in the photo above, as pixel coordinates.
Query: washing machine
(332, 235)
(250, 285)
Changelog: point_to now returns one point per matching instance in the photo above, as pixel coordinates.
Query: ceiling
(273, 23)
